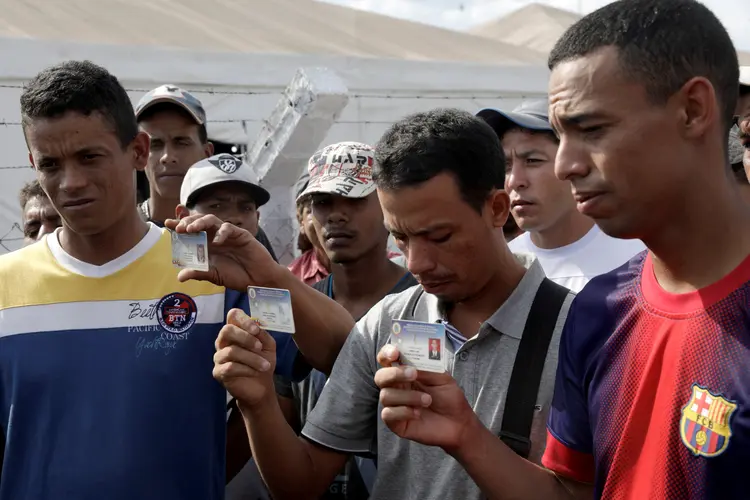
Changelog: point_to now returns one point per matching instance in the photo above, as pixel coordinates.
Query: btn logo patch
(176, 313)
(705, 426)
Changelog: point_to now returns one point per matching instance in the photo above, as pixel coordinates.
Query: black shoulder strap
(529, 363)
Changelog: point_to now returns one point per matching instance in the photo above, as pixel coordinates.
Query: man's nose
(419, 259)
(571, 161)
(73, 178)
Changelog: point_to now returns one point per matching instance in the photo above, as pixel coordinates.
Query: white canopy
(240, 90)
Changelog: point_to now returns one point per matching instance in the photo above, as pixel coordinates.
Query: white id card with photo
(190, 250)
(421, 344)
(272, 308)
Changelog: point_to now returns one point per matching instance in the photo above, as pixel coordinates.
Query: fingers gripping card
(190, 251)
(272, 308)
(421, 344)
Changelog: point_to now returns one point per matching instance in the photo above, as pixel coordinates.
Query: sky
(463, 14)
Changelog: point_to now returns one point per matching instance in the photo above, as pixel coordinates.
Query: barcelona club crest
(705, 424)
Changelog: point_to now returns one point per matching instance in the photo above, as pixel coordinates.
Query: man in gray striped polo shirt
(440, 176)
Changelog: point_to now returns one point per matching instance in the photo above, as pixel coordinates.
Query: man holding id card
(439, 179)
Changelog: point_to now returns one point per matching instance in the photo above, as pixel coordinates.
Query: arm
(237, 260)
(482, 451)
(238, 447)
(292, 467)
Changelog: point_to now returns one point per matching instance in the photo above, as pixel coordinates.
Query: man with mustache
(439, 177)
(569, 246)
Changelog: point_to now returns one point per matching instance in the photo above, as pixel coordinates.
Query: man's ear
(209, 149)
(498, 207)
(141, 148)
(181, 212)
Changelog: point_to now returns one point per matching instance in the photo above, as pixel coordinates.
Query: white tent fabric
(257, 26)
(240, 90)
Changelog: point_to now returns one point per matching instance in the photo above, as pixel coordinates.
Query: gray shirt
(347, 416)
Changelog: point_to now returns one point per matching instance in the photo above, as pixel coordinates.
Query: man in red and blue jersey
(652, 396)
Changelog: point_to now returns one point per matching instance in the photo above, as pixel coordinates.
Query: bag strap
(528, 366)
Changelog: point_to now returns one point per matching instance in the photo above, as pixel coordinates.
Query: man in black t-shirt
(349, 220)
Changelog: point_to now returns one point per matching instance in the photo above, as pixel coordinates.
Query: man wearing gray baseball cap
(570, 247)
(175, 122)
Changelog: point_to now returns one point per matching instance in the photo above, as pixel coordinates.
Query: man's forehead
(524, 140)
(167, 129)
(575, 82)
(72, 131)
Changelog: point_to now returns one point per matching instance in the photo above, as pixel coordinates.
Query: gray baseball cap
(219, 169)
(174, 95)
(531, 115)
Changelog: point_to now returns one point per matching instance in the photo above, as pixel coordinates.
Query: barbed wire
(6, 239)
(423, 96)
(249, 120)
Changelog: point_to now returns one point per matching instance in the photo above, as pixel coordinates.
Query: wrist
(256, 409)
(274, 278)
(471, 442)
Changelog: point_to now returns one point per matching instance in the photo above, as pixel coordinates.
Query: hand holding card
(235, 258)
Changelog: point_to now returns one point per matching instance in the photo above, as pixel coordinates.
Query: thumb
(212, 276)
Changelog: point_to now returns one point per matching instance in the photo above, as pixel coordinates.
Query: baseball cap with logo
(173, 95)
(344, 169)
(219, 169)
(531, 115)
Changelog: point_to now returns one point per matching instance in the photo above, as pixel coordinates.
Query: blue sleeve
(569, 415)
(289, 361)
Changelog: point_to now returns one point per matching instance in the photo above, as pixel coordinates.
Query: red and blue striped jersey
(652, 398)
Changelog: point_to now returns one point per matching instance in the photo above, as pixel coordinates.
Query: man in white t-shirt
(570, 247)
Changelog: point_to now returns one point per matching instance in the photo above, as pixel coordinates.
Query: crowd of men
(597, 347)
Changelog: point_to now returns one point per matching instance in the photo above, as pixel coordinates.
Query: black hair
(424, 145)
(174, 108)
(661, 44)
(31, 189)
(81, 87)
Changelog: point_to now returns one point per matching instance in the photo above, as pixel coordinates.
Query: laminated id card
(421, 344)
(190, 250)
(272, 308)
